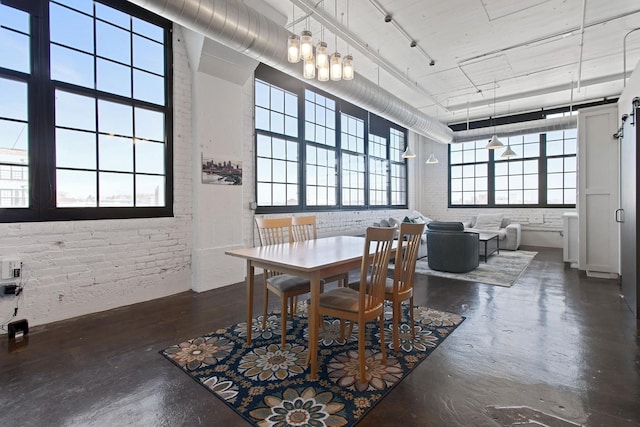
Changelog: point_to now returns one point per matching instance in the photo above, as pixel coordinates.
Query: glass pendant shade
(494, 143)
(432, 160)
(408, 153)
(306, 45)
(508, 153)
(336, 66)
(308, 68)
(323, 73)
(293, 51)
(322, 57)
(347, 68)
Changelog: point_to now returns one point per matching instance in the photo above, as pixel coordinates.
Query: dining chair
(305, 228)
(273, 231)
(400, 288)
(367, 303)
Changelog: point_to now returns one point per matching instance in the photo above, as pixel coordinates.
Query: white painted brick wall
(73, 268)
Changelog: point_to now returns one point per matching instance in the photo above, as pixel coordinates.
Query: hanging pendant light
(347, 68)
(408, 153)
(494, 142)
(432, 160)
(308, 68)
(336, 66)
(508, 153)
(322, 57)
(293, 49)
(293, 42)
(306, 45)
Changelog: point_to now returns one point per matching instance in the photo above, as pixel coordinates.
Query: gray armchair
(450, 248)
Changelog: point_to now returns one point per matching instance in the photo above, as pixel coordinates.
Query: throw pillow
(393, 222)
(384, 223)
(407, 219)
(488, 222)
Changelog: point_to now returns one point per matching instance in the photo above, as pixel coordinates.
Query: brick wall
(78, 267)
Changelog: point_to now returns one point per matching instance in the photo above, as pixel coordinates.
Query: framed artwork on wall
(221, 172)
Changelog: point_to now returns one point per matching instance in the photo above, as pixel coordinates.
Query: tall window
(331, 155)
(542, 174)
(320, 138)
(93, 107)
(277, 147)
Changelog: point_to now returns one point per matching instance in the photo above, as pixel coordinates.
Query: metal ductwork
(234, 24)
(513, 129)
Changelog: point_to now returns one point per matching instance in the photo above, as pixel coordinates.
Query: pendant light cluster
(494, 142)
(334, 67)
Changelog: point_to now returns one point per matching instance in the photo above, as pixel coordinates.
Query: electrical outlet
(9, 289)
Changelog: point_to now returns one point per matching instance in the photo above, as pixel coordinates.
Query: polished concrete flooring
(556, 349)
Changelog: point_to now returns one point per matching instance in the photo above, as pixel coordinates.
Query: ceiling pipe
(239, 27)
(514, 129)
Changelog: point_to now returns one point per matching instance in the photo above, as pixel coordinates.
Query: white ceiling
(529, 54)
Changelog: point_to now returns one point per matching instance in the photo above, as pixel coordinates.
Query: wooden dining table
(311, 259)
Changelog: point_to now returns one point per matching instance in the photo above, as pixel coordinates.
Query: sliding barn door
(629, 205)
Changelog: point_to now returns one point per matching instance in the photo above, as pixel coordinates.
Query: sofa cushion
(488, 222)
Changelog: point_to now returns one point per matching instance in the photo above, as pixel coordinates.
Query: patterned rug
(269, 386)
(501, 269)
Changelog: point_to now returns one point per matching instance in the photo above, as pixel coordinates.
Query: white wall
(72, 268)
(540, 227)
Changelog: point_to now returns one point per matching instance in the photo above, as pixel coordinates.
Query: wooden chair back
(374, 270)
(406, 255)
(273, 231)
(304, 228)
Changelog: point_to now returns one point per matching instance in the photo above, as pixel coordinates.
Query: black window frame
(41, 128)
(372, 124)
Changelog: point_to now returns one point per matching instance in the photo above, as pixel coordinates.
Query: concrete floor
(556, 349)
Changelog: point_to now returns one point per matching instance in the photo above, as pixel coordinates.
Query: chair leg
(361, 354)
(283, 315)
(293, 305)
(342, 329)
(383, 347)
(396, 325)
(413, 327)
(265, 307)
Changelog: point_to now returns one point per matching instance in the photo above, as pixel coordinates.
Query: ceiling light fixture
(408, 153)
(494, 142)
(333, 67)
(508, 153)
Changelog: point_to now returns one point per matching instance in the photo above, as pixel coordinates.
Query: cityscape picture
(223, 172)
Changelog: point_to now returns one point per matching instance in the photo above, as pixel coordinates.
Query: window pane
(116, 189)
(115, 119)
(149, 124)
(148, 87)
(114, 78)
(75, 149)
(150, 191)
(149, 157)
(113, 43)
(115, 153)
(13, 142)
(148, 55)
(70, 28)
(14, 100)
(14, 47)
(72, 66)
(75, 111)
(76, 189)
(147, 29)
(113, 16)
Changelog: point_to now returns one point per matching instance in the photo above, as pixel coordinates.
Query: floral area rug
(501, 269)
(270, 386)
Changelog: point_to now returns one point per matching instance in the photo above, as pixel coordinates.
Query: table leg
(250, 282)
(313, 326)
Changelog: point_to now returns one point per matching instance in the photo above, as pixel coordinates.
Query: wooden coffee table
(489, 244)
